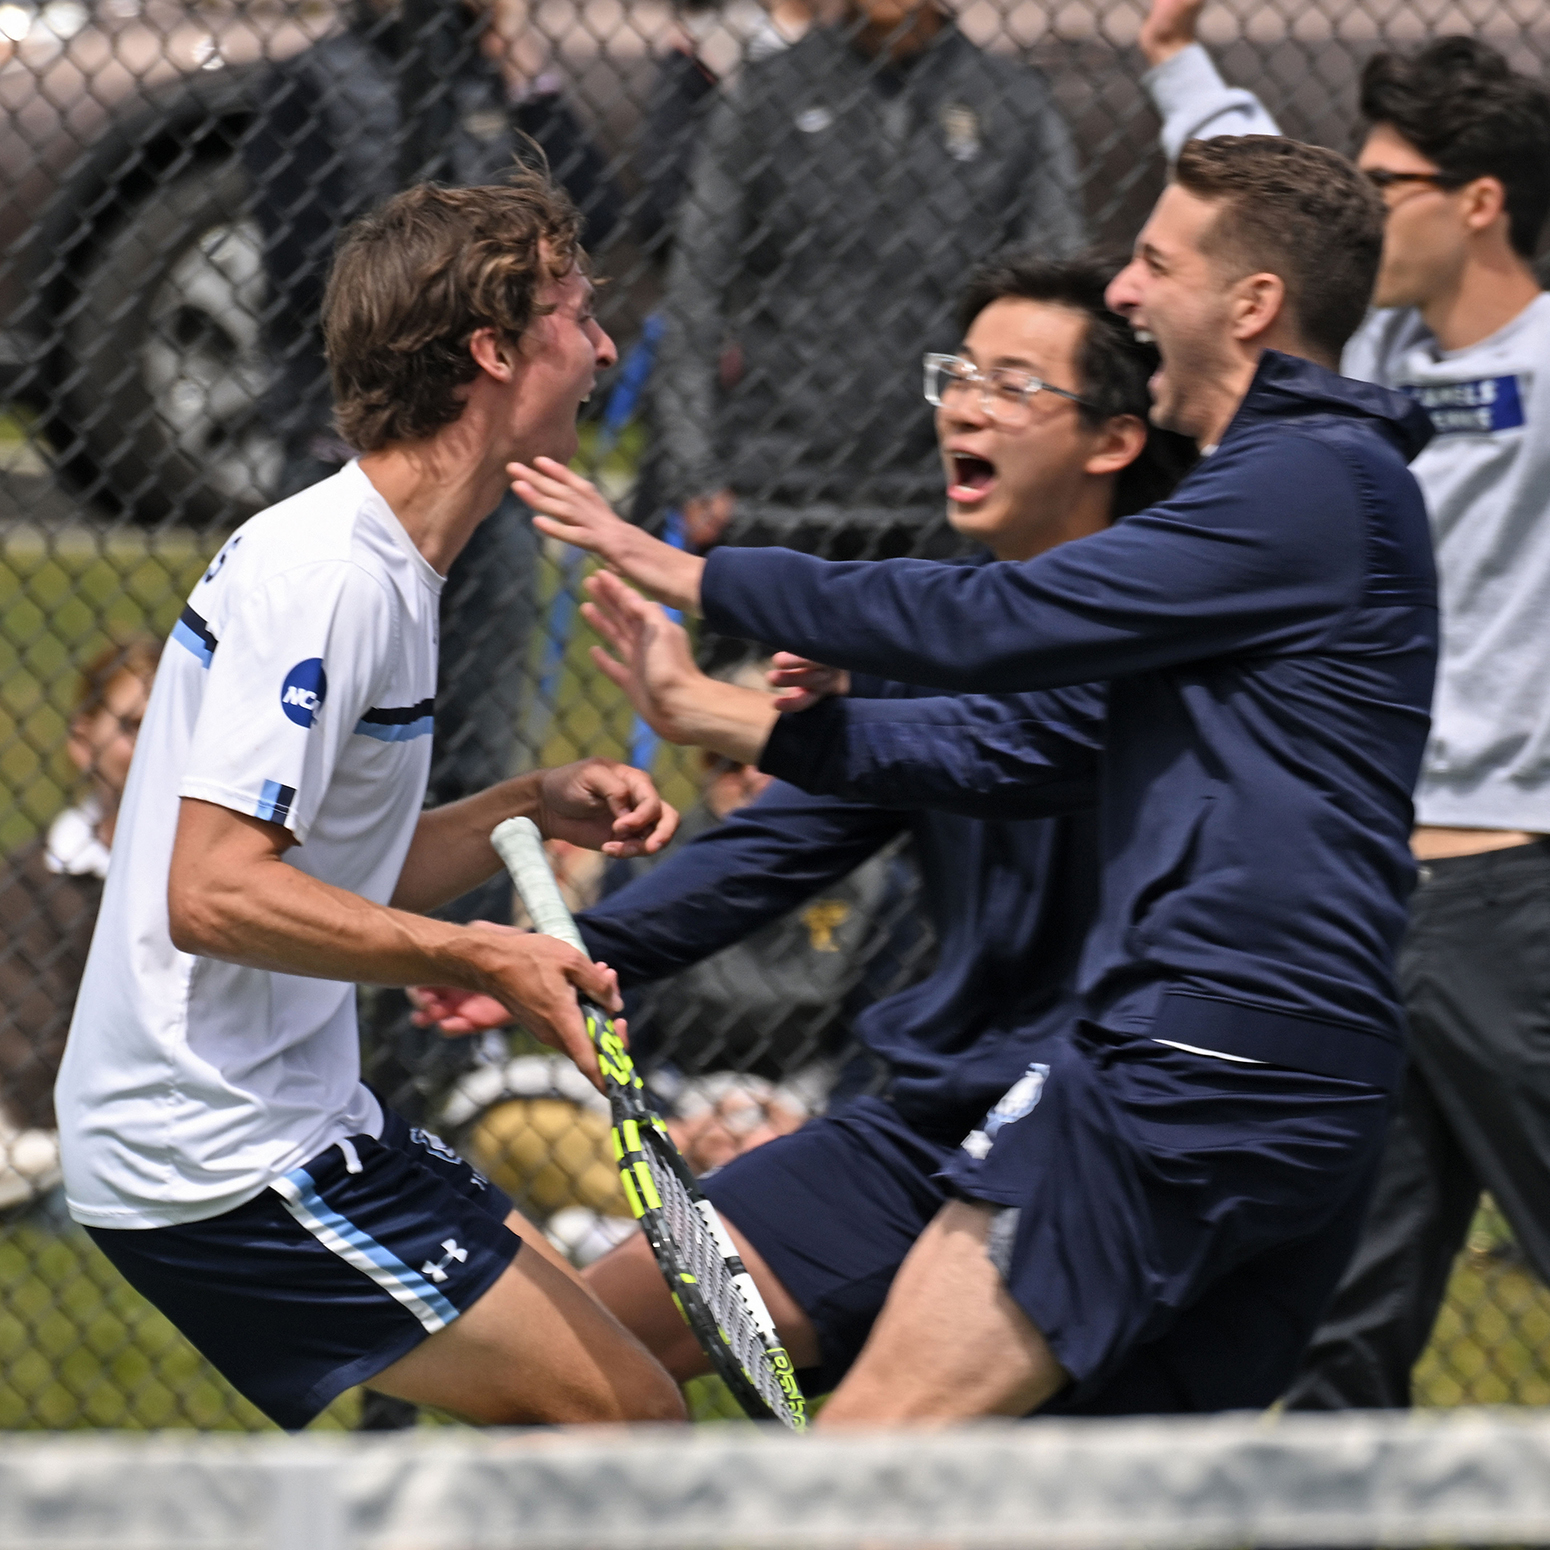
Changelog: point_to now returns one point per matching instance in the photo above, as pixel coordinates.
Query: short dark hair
(1461, 105)
(1113, 366)
(1298, 211)
(413, 281)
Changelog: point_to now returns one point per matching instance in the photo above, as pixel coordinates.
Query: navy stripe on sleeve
(192, 632)
(397, 723)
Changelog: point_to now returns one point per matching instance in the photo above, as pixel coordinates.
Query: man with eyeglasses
(1214, 1107)
(1459, 145)
(1041, 431)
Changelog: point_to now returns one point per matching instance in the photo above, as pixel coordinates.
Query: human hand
(652, 660)
(803, 683)
(603, 805)
(1169, 28)
(453, 1011)
(536, 979)
(654, 666)
(706, 518)
(569, 508)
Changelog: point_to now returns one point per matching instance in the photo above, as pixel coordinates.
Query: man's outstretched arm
(1195, 103)
(755, 866)
(1024, 756)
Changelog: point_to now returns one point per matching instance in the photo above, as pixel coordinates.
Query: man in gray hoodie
(845, 187)
(1460, 147)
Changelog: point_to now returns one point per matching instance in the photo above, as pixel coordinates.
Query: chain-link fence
(783, 218)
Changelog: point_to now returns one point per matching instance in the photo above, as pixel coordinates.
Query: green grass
(80, 1349)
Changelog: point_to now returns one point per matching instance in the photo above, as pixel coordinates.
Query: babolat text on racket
(709, 1283)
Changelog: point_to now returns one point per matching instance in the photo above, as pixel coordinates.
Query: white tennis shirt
(297, 687)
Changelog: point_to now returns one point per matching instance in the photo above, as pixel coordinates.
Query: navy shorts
(834, 1208)
(1176, 1223)
(330, 1274)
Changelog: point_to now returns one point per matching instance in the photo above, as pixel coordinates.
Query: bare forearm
(451, 850)
(268, 915)
(725, 718)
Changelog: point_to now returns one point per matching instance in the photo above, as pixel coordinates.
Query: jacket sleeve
(675, 116)
(700, 273)
(1255, 551)
(1028, 756)
(1195, 103)
(757, 866)
(1053, 219)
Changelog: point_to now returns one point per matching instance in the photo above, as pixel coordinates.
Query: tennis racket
(708, 1281)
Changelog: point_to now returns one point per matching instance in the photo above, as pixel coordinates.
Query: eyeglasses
(1005, 396)
(1383, 179)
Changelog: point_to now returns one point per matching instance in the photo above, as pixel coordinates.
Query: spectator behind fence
(49, 893)
(1460, 146)
(683, 89)
(326, 147)
(748, 1043)
(845, 186)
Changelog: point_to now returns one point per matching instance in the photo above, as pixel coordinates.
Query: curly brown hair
(414, 280)
(1297, 211)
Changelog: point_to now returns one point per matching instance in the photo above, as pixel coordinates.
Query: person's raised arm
(1255, 551)
(1194, 102)
(570, 508)
(232, 895)
(985, 757)
(758, 864)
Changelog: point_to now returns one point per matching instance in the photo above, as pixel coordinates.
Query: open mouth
(973, 478)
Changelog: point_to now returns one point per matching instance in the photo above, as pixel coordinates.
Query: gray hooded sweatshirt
(1486, 479)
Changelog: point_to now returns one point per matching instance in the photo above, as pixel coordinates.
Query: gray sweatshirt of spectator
(836, 208)
(1486, 479)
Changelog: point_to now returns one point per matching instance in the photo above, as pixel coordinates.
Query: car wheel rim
(205, 367)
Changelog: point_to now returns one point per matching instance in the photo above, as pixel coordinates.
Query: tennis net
(1479, 1478)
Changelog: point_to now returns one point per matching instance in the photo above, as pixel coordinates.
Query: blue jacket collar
(1289, 387)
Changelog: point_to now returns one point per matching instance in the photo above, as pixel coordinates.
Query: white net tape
(1473, 1478)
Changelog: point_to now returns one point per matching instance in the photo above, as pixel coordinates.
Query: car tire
(163, 372)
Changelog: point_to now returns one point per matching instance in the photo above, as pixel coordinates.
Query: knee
(656, 1397)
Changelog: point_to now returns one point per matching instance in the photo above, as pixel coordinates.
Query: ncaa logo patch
(304, 690)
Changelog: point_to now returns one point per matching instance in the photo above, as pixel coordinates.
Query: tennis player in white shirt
(217, 1141)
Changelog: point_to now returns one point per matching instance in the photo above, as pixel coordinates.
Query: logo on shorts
(436, 1270)
(1021, 1098)
(304, 690)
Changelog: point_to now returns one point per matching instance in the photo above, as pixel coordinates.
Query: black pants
(1474, 1115)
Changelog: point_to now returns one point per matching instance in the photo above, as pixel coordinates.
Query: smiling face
(556, 367)
(1175, 292)
(1018, 490)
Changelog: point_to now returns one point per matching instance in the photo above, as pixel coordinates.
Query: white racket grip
(519, 844)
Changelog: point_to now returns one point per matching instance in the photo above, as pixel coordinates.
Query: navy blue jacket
(1011, 903)
(1269, 636)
